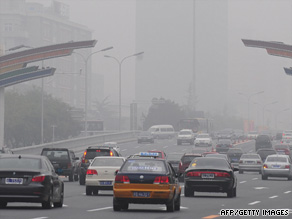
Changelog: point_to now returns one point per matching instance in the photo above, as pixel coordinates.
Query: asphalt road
(252, 193)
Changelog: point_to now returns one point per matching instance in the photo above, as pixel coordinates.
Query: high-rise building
(35, 25)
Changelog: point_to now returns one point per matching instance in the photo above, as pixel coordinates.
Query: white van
(162, 131)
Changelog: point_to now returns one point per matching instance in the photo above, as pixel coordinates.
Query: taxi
(144, 180)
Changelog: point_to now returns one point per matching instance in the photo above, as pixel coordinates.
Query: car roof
(190, 154)
(23, 156)
(278, 155)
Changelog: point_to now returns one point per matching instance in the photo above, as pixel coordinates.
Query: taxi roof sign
(149, 154)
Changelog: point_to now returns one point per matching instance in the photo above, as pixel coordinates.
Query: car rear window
(15, 163)
(185, 133)
(209, 163)
(250, 156)
(188, 159)
(99, 162)
(92, 153)
(143, 166)
(277, 159)
(56, 154)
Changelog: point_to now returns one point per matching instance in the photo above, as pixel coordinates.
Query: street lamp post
(276, 116)
(120, 81)
(85, 60)
(248, 100)
(264, 107)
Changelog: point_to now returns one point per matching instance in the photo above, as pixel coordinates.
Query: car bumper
(250, 167)
(209, 185)
(31, 193)
(276, 172)
(158, 194)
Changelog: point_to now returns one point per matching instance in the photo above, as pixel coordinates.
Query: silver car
(277, 166)
(250, 162)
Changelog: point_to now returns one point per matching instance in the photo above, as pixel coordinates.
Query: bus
(198, 125)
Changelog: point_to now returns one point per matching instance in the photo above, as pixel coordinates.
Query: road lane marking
(253, 203)
(99, 209)
(181, 207)
(65, 206)
(255, 178)
(275, 196)
(165, 146)
(211, 216)
(287, 192)
(39, 218)
(243, 182)
(124, 149)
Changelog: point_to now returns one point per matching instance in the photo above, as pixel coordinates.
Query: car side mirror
(235, 169)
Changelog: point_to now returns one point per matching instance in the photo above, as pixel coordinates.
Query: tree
(23, 119)
(163, 112)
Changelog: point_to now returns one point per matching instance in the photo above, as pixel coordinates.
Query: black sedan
(29, 178)
(210, 174)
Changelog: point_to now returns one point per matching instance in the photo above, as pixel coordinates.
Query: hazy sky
(249, 69)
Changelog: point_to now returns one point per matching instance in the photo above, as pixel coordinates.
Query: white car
(252, 135)
(185, 136)
(203, 139)
(101, 173)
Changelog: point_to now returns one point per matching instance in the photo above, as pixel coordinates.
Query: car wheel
(240, 171)
(88, 190)
(116, 205)
(60, 203)
(76, 177)
(189, 192)
(49, 203)
(230, 193)
(3, 204)
(95, 191)
(125, 206)
(170, 206)
(289, 177)
(264, 177)
(82, 179)
(177, 203)
(71, 177)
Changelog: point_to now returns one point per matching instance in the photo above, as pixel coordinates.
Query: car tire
(188, 192)
(82, 179)
(3, 204)
(170, 206)
(289, 177)
(76, 178)
(88, 190)
(95, 191)
(177, 203)
(71, 177)
(125, 206)
(60, 203)
(234, 192)
(49, 203)
(264, 177)
(230, 193)
(116, 205)
(240, 171)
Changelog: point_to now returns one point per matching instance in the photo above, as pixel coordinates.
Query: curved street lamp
(85, 60)
(120, 80)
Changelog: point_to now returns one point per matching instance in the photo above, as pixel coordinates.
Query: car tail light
(222, 174)
(287, 166)
(180, 165)
(38, 179)
(111, 153)
(240, 161)
(91, 172)
(259, 162)
(192, 174)
(161, 180)
(198, 173)
(265, 166)
(83, 157)
(122, 179)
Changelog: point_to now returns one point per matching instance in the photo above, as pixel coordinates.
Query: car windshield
(143, 166)
(250, 156)
(56, 154)
(277, 159)
(109, 162)
(15, 163)
(189, 158)
(92, 153)
(210, 163)
(185, 133)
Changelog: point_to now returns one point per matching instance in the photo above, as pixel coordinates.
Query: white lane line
(243, 182)
(182, 195)
(182, 186)
(165, 146)
(287, 192)
(253, 203)
(65, 206)
(99, 209)
(124, 149)
(275, 196)
(39, 218)
(255, 178)
(260, 188)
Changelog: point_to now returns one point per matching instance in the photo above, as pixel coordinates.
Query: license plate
(234, 159)
(276, 166)
(59, 171)
(106, 183)
(141, 194)
(17, 181)
(207, 175)
(249, 161)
